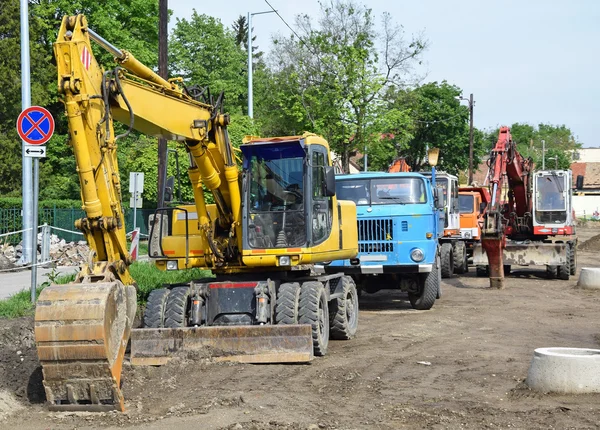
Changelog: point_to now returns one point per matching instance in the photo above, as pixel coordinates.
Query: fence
(11, 221)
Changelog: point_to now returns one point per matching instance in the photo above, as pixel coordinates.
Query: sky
(527, 61)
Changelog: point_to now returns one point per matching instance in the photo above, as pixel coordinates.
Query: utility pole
(470, 139)
(543, 154)
(250, 92)
(163, 72)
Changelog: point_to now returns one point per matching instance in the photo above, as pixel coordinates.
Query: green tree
(206, 53)
(332, 77)
(558, 140)
(439, 121)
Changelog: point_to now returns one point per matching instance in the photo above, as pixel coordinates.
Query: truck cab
(472, 203)
(398, 232)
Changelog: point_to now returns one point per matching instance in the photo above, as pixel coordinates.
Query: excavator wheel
(564, 271)
(343, 321)
(81, 332)
(447, 260)
(459, 253)
(551, 272)
(573, 258)
(177, 309)
(314, 310)
(287, 303)
(154, 314)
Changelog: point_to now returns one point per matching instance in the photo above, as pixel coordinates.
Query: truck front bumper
(374, 269)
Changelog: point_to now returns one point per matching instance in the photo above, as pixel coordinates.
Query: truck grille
(375, 235)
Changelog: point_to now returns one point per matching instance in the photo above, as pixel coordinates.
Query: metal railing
(63, 221)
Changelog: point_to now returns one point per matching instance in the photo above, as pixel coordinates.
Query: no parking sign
(35, 126)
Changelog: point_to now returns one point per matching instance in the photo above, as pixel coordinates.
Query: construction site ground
(460, 365)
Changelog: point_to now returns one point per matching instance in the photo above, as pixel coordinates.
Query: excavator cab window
(276, 202)
(322, 210)
(550, 199)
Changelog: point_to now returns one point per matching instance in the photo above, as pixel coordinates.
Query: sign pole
(135, 201)
(36, 192)
(25, 103)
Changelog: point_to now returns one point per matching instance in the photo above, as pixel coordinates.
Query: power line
(438, 120)
(285, 22)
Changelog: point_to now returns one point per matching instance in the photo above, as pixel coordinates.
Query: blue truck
(398, 217)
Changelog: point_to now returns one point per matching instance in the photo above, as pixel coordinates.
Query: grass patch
(147, 276)
(19, 304)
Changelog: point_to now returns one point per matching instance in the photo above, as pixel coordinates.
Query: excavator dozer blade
(244, 344)
(81, 332)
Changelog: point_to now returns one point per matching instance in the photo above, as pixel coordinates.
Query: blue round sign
(35, 125)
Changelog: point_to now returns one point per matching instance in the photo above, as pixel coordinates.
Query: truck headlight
(284, 260)
(417, 255)
(172, 265)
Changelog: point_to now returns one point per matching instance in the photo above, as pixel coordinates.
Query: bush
(17, 202)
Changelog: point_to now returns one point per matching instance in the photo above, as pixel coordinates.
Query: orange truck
(472, 202)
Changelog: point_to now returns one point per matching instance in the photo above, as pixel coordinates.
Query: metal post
(470, 139)
(25, 103)
(543, 154)
(45, 243)
(36, 190)
(250, 96)
(135, 199)
(163, 16)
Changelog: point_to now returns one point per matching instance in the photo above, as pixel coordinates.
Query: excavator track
(81, 332)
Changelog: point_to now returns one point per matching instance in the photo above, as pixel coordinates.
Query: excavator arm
(505, 217)
(82, 329)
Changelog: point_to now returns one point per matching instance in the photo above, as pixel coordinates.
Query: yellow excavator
(275, 214)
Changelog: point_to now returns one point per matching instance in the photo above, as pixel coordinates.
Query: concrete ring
(565, 370)
(589, 278)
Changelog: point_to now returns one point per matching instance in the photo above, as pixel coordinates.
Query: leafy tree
(559, 142)
(206, 53)
(439, 121)
(332, 77)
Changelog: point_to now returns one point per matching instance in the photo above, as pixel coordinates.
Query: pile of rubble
(61, 252)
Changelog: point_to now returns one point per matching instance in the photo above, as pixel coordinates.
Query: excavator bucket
(245, 344)
(81, 332)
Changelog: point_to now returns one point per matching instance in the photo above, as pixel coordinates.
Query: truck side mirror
(169, 189)
(329, 181)
(482, 207)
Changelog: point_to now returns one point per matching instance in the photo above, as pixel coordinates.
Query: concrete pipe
(589, 278)
(565, 370)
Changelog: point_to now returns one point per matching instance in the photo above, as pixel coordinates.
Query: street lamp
(471, 103)
(250, 96)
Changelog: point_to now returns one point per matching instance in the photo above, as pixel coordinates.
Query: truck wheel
(429, 288)
(573, 259)
(154, 314)
(507, 269)
(314, 310)
(177, 308)
(343, 321)
(551, 272)
(286, 305)
(482, 271)
(563, 271)
(447, 260)
(459, 252)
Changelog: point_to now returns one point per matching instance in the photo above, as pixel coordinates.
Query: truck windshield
(465, 203)
(384, 191)
(276, 203)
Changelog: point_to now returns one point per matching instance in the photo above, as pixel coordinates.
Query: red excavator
(529, 220)
(399, 165)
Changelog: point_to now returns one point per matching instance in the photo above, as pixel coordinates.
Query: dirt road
(460, 365)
